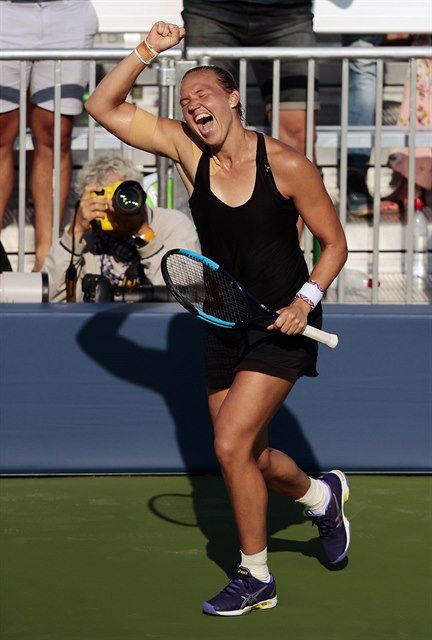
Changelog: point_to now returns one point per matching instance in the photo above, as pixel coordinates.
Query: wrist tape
(139, 52)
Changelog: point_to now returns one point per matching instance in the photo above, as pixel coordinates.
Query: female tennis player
(247, 192)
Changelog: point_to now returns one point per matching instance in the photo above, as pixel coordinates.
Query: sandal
(392, 204)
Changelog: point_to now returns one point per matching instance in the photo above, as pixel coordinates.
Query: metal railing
(171, 66)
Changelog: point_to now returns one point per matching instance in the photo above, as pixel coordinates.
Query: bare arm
(108, 105)
(316, 209)
(319, 215)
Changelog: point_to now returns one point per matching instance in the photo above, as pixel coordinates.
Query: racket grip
(329, 339)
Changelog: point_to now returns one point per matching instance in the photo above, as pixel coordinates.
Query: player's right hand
(164, 35)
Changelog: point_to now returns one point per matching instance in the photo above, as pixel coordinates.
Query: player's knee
(263, 465)
(224, 450)
(230, 451)
(263, 462)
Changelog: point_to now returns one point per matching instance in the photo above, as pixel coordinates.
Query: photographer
(115, 239)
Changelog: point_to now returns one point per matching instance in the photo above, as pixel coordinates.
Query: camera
(97, 288)
(128, 198)
(23, 287)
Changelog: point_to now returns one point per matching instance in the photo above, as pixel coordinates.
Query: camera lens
(24, 287)
(129, 197)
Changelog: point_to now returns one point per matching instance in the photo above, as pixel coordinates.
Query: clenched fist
(164, 35)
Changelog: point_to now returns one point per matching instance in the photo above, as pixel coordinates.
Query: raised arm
(107, 104)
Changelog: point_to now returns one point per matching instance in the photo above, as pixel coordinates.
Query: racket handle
(329, 339)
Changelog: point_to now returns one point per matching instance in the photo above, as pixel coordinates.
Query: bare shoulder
(280, 153)
(291, 169)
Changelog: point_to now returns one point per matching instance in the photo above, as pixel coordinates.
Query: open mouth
(204, 122)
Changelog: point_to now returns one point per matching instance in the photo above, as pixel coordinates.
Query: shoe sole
(345, 496)
(264, 604)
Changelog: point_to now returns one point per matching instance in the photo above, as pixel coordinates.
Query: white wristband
(311, 292)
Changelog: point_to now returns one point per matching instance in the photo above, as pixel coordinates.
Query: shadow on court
(85, 558)
(177, 374)
(212, 514)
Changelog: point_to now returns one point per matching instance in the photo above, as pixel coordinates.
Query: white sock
(317, 497)
(257, 565)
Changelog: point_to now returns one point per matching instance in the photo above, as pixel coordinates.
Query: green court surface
(132, 558)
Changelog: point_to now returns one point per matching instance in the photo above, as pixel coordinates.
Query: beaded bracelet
(311, 292)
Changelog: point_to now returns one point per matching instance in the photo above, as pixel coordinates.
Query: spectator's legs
(9, 127)
(220, 24)
(282, 26)
(292, 128)
(41, 179)
(228, 24)
(361, 107)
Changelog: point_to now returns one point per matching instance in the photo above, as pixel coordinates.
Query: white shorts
(49, 24)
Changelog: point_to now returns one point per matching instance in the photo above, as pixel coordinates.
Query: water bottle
(420, 241)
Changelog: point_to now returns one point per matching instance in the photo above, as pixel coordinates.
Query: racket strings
(207, 289)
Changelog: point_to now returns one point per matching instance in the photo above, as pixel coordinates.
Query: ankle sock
(317, 497)
(257, 565)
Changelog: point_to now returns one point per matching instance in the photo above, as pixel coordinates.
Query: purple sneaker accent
(241, 595)
(333, 527)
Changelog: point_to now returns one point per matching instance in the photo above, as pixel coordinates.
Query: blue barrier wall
(119, 389)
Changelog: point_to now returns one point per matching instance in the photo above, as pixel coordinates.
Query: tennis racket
(205, 289)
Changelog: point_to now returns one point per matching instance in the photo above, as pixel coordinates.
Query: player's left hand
(292, 319)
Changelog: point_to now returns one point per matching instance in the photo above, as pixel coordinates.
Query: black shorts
(228, 351)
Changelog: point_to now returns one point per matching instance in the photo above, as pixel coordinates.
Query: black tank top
(256, 242)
